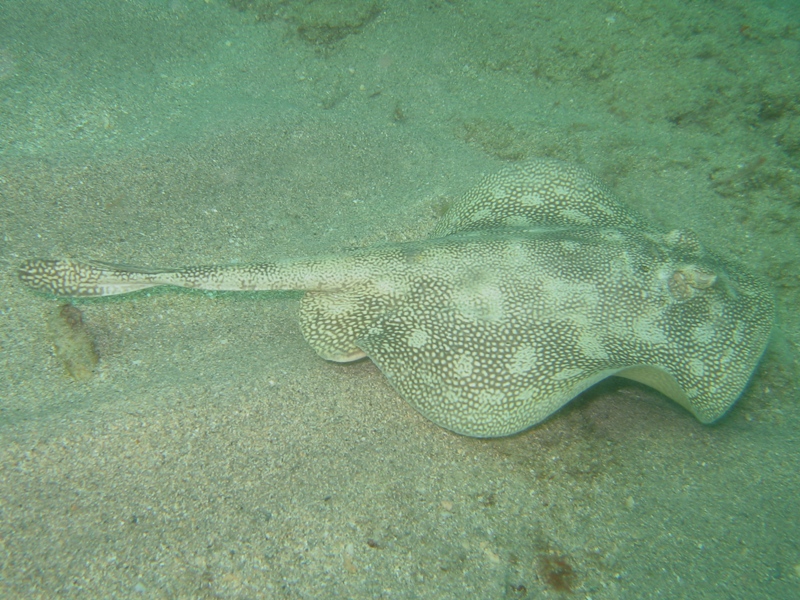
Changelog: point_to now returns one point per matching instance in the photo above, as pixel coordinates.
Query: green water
(214, 454)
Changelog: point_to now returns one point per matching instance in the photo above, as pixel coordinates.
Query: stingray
(536, 285)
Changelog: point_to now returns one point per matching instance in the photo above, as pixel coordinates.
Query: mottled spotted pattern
(536, 285)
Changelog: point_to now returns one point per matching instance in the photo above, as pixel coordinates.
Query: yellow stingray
(535, 286)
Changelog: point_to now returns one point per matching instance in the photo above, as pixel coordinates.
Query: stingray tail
(67, 277)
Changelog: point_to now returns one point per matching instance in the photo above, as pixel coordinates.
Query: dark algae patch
(318, 22)
(557, 573)
(72, 342)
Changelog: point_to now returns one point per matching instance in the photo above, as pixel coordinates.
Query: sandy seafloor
(213, 454)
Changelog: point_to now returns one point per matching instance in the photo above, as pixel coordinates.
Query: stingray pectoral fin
(469, 390)
(660, 380)
(708, 403)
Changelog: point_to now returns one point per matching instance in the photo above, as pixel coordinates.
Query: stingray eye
(678, 286)
(686, 281)
(702, 280)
